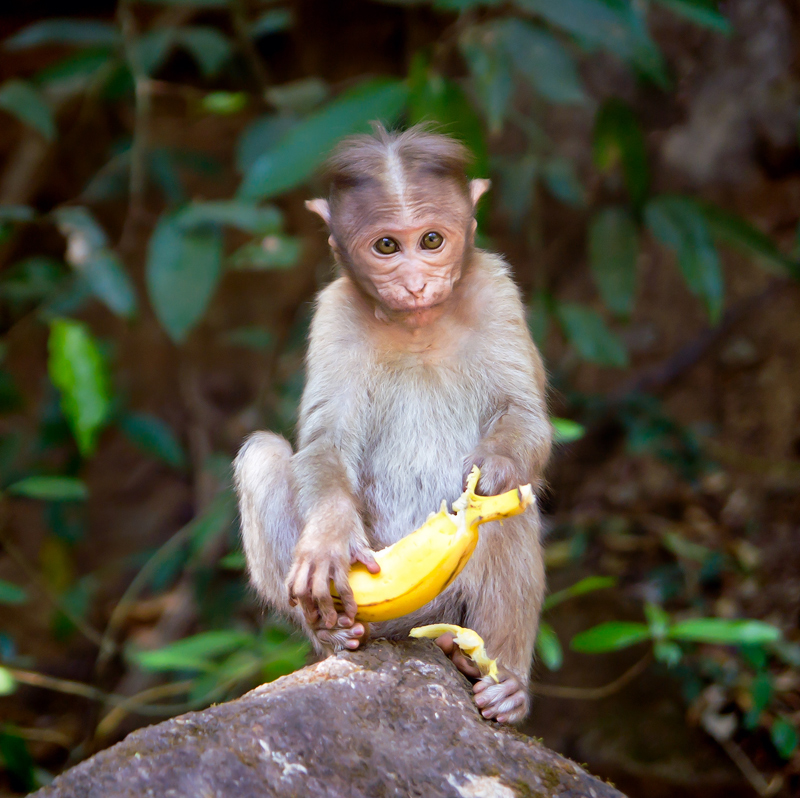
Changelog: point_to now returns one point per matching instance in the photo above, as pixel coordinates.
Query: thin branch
(764, 788)
(13, 551)
(595, 693)
(42, 736)
(141, 125)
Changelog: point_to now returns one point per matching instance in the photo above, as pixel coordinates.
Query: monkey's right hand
(316, 564)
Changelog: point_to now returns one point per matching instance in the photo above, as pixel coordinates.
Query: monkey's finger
(297, 581)
(367, 558)
(460, 660)
(345, 593)
(321, 595)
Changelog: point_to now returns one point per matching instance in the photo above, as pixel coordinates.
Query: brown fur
(398, 404)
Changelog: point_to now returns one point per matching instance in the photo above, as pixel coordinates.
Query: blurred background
(157, 269)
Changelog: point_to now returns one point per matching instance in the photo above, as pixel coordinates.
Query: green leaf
(153, 436)
(79, 371)
(613, 251)
(724, 631)
(541, 59)
(291, 162)
(83, 33)
(81, 229)
(193, 653)
(784, 737)
(244, 216)
(22, 100)
(258, 338)
(740, 234)
(437, 100)
(563, 183)
(74, 71)
(581, 588)
(548, 647)
(761, 692)
(183, 269)
(110, 282)
(17, 760)
(618, 27)
(234, 561)
(703, 12)
(150, 50)
(17, 213)
(667, 652)
(657, 620)
(210, 48)
(53, 489)
(88, 254)
(299, 96)
(590, 336)
(610, 636)
(225, 103)
(490, 68)
(565, 430)
(7, 683)
(11, 593)
(273, 21)
(619, 141)
(259, 136)
(678, 223)
(272, 252)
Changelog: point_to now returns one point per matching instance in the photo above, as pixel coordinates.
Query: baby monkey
(419, 365)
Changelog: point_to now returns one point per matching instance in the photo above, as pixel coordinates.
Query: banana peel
(468, 640)
(421, 565)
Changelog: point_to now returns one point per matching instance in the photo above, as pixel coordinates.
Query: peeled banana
(421, 565)
(468, 640)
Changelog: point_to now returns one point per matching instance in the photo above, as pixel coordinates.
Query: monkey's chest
(422, 429)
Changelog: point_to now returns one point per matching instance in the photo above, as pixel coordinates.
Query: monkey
(419, 365)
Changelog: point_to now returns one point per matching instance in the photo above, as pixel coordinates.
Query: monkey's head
(401, 215)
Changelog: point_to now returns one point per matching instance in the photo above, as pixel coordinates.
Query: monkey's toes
(505, 702)
(342, 636)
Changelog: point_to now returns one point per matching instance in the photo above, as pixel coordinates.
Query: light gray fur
(397, 431)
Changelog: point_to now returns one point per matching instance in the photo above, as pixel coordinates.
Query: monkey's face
(410, 268)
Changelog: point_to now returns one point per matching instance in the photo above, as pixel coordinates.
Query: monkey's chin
(414, 318)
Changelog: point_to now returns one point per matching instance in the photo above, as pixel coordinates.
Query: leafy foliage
(493, 76)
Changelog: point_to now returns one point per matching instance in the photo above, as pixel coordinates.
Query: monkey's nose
(417, 293)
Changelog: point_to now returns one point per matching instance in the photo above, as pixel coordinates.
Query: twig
(137, 584)
(764, 788)
(89, 632)
(663, 374)
(594, 693)
(67, 686)
(41, 736)
(259, 70)
(135, 704)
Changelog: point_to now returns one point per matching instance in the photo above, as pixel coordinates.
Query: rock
(395, 719)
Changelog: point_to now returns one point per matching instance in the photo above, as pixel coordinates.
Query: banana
(421, 565)
(468, 640)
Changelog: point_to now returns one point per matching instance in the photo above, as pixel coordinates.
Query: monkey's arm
(516, 442)
(325, 472)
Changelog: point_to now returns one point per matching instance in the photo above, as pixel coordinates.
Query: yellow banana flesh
(421, 565)
(468, 640)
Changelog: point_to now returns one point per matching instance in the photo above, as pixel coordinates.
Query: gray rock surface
(396, 719)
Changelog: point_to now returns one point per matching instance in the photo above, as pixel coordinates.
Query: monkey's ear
(321, 208)
(477, 188)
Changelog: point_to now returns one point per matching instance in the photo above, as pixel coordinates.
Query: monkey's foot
(344, 635)
(506, 701)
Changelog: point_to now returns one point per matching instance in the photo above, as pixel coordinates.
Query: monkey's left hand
(498, 473)
(505, 701)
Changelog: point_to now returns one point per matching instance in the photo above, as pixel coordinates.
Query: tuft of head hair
(364, 160)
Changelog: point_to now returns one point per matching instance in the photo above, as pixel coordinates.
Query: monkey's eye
(432, 240)
(386, 246)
